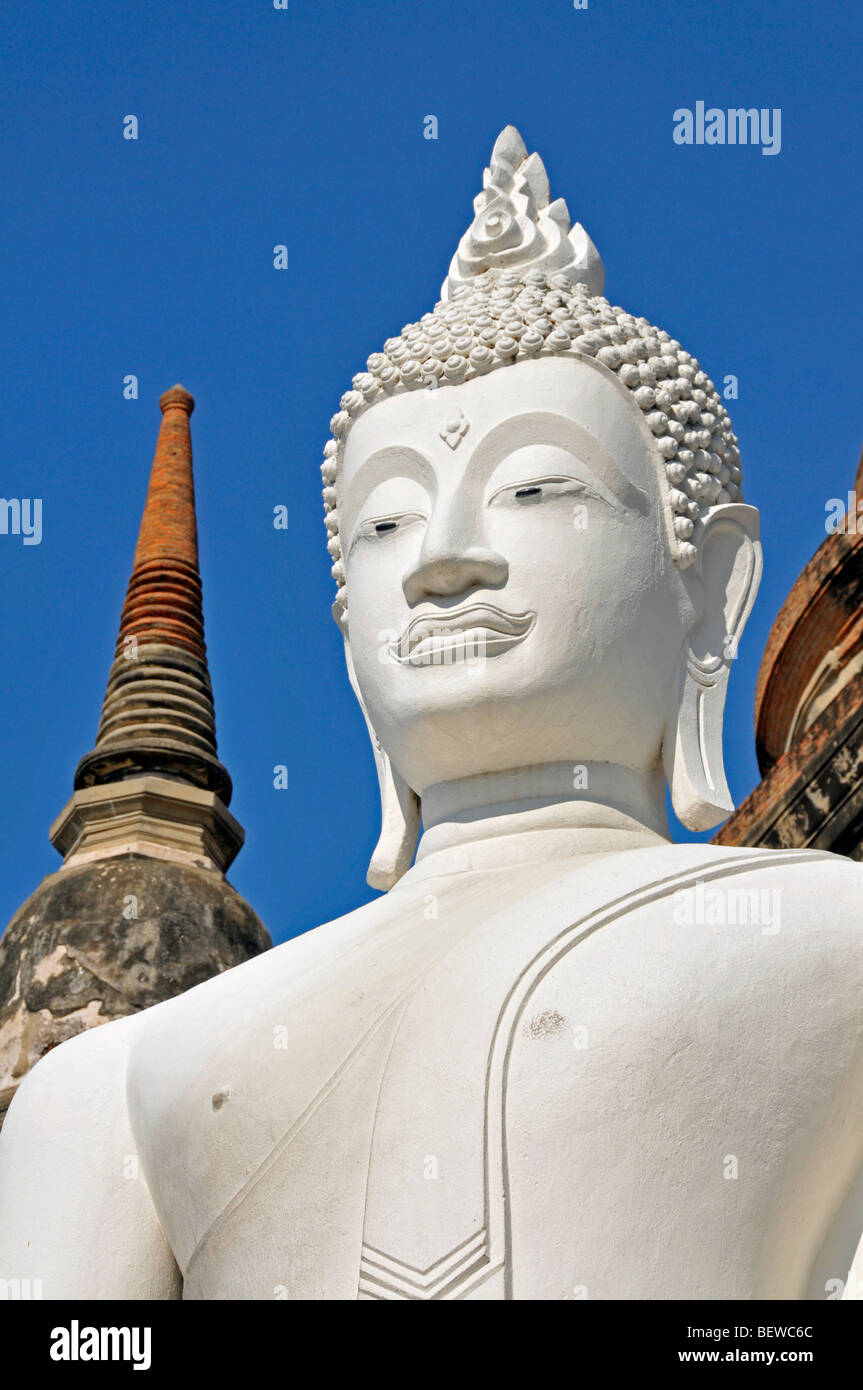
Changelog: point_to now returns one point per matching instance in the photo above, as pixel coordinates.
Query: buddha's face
(511, 595)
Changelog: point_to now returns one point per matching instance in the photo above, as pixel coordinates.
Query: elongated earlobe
(400, 824)
(692, 747)
(401, 812)
(730, 571)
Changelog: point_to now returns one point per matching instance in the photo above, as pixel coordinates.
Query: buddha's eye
(378, 528)
(542, 489)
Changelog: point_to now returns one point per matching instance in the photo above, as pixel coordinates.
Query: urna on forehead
(524, 285)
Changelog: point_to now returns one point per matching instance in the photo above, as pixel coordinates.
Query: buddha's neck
(548, 811)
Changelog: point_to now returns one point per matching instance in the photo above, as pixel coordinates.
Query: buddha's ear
(727, 575)
(400, 806)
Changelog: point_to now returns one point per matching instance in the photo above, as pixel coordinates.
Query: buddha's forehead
(588, 402)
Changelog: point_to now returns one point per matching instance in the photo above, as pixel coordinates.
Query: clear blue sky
(305, 127)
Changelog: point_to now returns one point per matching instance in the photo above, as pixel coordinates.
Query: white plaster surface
(561, 1057)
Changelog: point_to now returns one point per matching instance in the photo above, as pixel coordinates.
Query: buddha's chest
(590, 1115)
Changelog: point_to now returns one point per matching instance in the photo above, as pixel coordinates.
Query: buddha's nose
(453, 562)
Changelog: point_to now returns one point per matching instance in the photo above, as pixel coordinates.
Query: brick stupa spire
(140, 909)
(153, 782)
(158, 713)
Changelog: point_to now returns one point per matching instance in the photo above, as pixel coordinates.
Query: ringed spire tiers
(153, 783)
(158, 714)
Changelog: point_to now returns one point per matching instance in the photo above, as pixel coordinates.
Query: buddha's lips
(492, 628)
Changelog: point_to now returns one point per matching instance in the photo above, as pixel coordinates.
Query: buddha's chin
(446, 679)
(446, 732)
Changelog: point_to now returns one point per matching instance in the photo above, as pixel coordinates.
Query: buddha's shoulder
(245, 991)
(99, 1060)
(684, 884)
(812, 887)
(714, 923)
(83, 1080)
(812, 883)
(677, 885)
(696, 899)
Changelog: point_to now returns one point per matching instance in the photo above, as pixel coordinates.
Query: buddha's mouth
(464, 635)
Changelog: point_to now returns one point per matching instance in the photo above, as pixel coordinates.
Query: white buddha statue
(561, 1057)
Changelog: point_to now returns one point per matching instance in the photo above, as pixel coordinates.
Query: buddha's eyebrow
(392, 461)
(547, 427)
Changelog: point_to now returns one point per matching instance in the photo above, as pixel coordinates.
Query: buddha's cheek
(591, 585)
(378, 612)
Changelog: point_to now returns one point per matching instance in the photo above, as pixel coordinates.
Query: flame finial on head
(517, 227)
